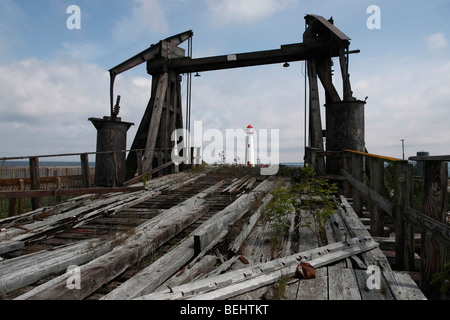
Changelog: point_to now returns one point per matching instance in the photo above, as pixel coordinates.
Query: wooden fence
(364, 181)
(34, 184)
(22, 182)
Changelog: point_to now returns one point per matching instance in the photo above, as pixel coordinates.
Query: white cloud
(405, 103)
(225, 12)
(83, 51)
(436, 41)
(46, 105)
(146, 17)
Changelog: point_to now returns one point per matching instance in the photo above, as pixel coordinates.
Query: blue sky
(53, 79)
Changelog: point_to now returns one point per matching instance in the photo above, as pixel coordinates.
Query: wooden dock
(198, 234)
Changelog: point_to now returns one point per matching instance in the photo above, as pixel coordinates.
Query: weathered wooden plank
(17, 273)
(235, 184)
(440, 231)
(434, 203)
(119, 206)
(379, 200)
(315, 122)
(316, 288)
(376, 184)
(221, 269)
(307, 238)
(232, 277)
(408, 263)
(17, 230)
(39, 228)
(357, 174)
(239, 240)
(141, 175)
(402, 286)
(342, 284)
(65, 192)
(186, 275)
(262, 244)
(342, 254)
(85, 170)
(224, 219)
(401, 199)
(187, 182)
(242, 287)
(35, 183)
(372, 294)
(155, 121)
(357, 229)
(143, 242)
(149, 279)
(10, 246)
(200, 252)
(324, 73)
(272, 276)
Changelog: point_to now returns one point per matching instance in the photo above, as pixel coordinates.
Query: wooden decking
(198, 235)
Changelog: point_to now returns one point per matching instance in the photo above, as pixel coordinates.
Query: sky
(54, 78)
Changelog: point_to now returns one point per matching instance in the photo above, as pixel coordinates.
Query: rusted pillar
(345, 130)
(111, 145)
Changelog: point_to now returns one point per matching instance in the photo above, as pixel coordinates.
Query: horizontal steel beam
(311, 49)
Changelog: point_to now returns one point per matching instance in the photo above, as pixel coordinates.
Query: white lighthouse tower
(249, 151)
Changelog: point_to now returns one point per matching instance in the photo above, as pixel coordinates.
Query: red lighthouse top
(249, 126)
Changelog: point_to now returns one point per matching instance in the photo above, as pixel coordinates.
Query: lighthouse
(249, 151)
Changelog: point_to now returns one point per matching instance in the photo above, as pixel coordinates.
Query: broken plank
(342, 254)
(118, 206)
(187, 182)
(223, 267)
(153, 276)
(239, 240)
(62, 218)
(186, 275)
(22, 271)
(236, 184)
(10, 246)
(143, 242)
(355, 229)
(231, 277)
(242, 287)
(211, 245)
(225, 218)
(64, 192)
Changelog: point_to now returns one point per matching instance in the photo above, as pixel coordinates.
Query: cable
(188, 96)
